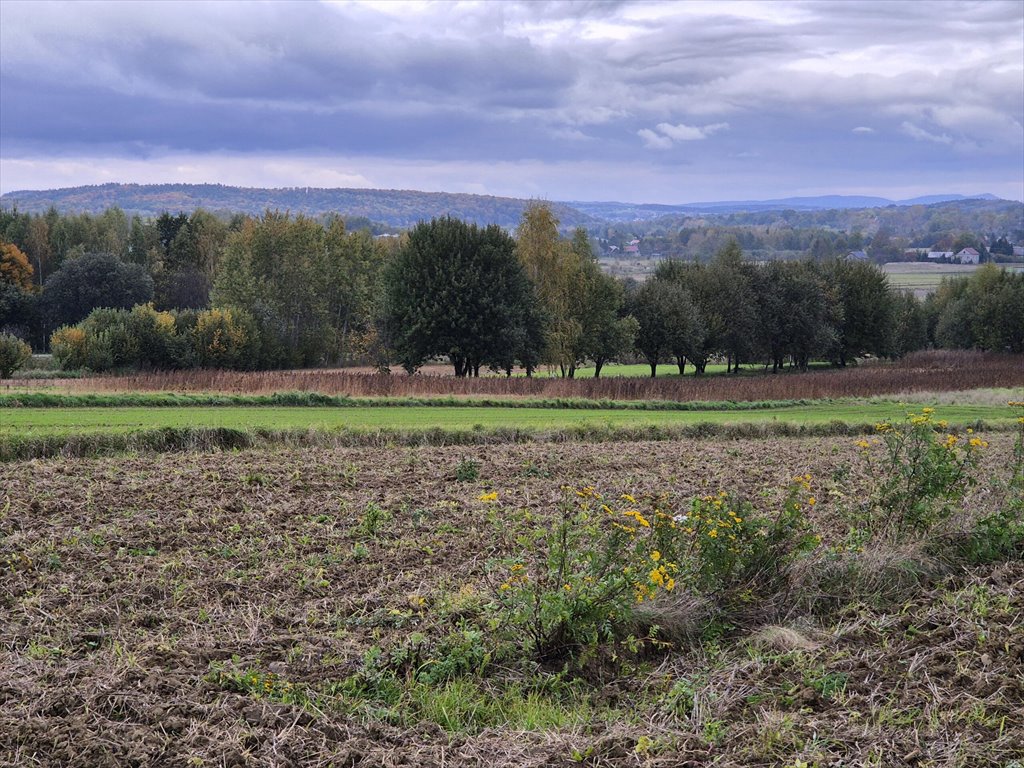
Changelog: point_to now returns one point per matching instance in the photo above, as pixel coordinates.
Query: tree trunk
(681, 362)
(654, 370)
(598, 364)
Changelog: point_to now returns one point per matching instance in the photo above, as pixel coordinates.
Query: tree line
(281, 291)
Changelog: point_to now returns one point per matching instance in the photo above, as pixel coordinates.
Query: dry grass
(921, 372)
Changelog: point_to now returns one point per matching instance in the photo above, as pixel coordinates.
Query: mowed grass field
(923, 278)
(32, 422)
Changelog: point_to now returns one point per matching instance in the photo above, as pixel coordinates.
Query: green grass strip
(177, 439)
(316, 400)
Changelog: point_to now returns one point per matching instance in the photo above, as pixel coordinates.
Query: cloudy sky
(637, 101)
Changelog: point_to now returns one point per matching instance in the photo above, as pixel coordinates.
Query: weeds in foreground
(585, 577)
(920, 479)
(601, 558)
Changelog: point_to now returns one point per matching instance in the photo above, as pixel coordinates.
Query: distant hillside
(403, 208)
(615, 211)
(398, 208)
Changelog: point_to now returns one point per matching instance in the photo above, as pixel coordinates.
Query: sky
(662, 102)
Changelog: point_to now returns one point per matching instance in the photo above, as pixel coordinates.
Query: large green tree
(864, 311)
(90, 281)
(458, 291)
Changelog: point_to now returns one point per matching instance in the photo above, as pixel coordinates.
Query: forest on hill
(766, 230)
(391, 207)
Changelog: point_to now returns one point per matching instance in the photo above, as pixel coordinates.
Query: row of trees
(300, 292)
(772, 313)
(307, 283)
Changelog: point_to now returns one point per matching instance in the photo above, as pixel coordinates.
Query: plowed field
(159, 610)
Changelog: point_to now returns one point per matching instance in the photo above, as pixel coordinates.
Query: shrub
(225, 338)
(599, 560)
(467, 471)
(68, 347)
(14, 353)
(920, 478)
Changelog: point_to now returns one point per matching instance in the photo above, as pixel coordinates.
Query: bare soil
(126, 580)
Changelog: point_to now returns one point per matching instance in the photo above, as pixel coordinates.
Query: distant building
(1018, 251)
(968, 256)
(857, 256)
(632, 248)
(937, 255)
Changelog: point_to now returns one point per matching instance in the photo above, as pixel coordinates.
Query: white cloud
(863, 129)
(666, 134)
(920, 134)
(683, 132)
(654, 140)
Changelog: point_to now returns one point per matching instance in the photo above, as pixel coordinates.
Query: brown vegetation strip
(924, 371)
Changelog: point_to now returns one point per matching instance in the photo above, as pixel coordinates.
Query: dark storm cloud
(776, 88)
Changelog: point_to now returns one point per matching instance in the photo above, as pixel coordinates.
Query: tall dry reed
(938, 371)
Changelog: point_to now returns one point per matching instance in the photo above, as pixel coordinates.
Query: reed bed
(933, 371)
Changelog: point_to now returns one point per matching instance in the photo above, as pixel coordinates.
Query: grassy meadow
(923, 278)
(30, 422)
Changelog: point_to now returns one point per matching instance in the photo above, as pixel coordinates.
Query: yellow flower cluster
(492, 496)
(639, 518)
(517, 575)
(713, 523)
(1017, 404)
(659, 577)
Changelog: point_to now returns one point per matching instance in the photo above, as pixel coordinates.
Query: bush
(14, 353)
(225, 338)
(920, 478)
(600, 560)
(67, 344)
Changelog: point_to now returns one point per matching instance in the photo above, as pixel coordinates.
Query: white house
(968, 256)
(936, 255)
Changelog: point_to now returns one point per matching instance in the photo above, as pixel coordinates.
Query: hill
(619, 212)
(397, 208)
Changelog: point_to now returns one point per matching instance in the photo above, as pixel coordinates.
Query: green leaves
(457, 290)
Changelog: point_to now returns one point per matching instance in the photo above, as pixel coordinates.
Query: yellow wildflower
(492, 496)
(812, 501)
(655, 555)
